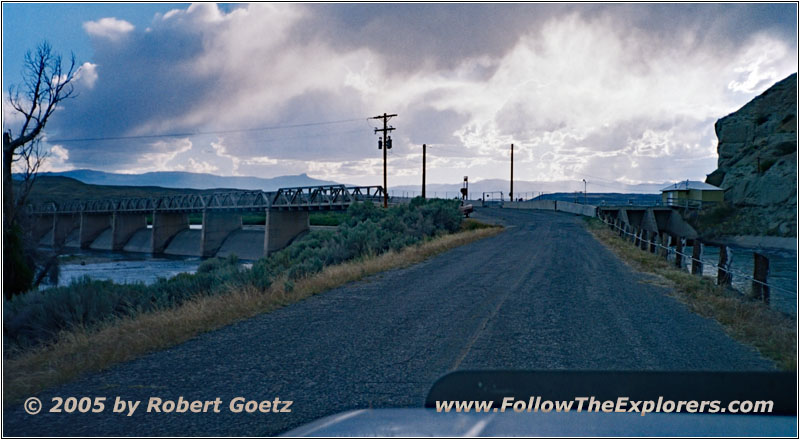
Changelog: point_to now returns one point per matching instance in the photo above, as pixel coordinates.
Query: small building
(691, 194)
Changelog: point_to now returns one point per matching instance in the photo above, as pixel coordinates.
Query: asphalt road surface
(541, 295)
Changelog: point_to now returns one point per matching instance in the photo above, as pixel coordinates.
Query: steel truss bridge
(305, 198)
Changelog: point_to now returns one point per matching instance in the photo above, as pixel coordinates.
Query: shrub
(327, 218)
(366, 229)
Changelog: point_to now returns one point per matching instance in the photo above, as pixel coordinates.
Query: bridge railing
(689, 203)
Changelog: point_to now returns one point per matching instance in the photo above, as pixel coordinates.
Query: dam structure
(122, 224)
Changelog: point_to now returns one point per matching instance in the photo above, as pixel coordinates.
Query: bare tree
(45, 84)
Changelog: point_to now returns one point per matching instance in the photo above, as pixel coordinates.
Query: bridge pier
(92, 225)
(42, 225)
(166, 225)
(63, 224)
(216, 228)
(282, 227)
(123, 226)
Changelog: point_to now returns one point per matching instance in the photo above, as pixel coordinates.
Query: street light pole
(584, 191)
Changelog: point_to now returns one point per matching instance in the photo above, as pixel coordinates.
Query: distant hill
(178, 179)
(49, 188)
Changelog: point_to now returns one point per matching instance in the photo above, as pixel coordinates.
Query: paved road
(541, 295)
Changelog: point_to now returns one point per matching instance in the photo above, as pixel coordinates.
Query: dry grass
(751, 322)
(81, 351)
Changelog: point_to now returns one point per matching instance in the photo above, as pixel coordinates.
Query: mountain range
(180, 179)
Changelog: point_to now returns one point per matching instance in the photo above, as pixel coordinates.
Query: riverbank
(771, 332)
(81, 351)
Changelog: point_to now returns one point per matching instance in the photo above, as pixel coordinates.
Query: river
(782, 273)
(124, 268)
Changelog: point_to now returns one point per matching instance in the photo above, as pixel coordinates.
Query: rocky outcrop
(757, 164)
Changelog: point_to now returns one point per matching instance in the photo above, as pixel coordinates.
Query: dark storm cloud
(418, 36)
(568, 77)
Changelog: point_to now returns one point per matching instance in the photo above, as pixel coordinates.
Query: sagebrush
(39, 316)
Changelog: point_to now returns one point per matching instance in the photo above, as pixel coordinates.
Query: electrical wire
(198, 133)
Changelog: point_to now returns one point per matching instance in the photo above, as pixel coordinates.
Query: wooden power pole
(385, 143)
(424, 147)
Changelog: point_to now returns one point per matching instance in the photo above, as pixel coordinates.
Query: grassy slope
(82, 351)
(754, 323)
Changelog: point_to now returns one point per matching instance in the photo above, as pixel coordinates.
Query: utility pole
(385, 141)
(424, 147)
(584, 191)
(511, 193)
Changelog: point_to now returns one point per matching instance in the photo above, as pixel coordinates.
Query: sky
(624, 93)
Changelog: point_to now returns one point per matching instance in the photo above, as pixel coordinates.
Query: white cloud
(197, 166)
(761, 63)
(222, 152)
(56, 159)
(160, 158)
(578, 94)
(87, 75)
(109, 27)
(59, 152)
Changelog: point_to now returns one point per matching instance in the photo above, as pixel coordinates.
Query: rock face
(757, 165)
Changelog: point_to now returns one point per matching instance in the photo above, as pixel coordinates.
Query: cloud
(56, 159)
(624, 92)
(197, 166)
(109, 28)
(760, 65)
(160, 157)
(86, 75)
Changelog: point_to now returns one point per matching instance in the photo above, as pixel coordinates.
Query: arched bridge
(121, 224)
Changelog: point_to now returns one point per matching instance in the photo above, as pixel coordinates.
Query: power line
(282, 139)
(198, 133)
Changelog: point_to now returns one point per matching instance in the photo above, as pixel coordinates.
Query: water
(782, 273)
(124, 268)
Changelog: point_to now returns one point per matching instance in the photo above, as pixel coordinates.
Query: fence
(688, 203)
(760, 287)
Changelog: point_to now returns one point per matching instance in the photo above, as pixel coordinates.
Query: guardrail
(725, 273)
(688, 203)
